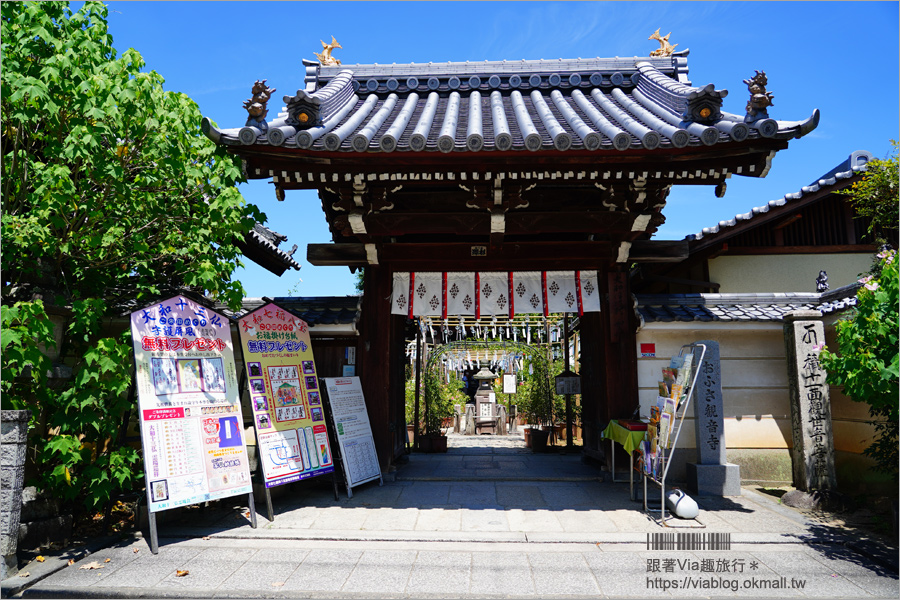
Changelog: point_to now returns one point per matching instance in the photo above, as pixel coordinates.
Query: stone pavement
(488, 519)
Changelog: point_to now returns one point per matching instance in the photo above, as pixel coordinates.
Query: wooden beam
(667, 251)
(333, 255)
(532, 256)
(391, 224)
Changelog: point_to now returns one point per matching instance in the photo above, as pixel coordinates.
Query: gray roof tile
(855, 163)
(559, 105)
(741, 307)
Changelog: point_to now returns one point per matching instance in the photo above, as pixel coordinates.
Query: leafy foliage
(111, 197)
(535, 397)
(439, 397)
(866, 363)
(875, 195)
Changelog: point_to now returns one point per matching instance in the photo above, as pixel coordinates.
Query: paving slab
(561, 531)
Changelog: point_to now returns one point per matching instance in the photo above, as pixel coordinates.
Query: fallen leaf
(71, 561)
(180, 573)
(24, 574)
(107, 560)
(277, 584)
(136, 550)
(40, 558)
(247, 515)
(91, 565)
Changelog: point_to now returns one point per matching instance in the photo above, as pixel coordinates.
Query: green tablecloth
(624, 437)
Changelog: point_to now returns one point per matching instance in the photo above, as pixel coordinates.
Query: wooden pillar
(608, 362)
(593, 384)
(621, 351)
(397, 391)
(372, 357)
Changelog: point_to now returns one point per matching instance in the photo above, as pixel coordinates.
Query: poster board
(291, 436)
(192, 429)
(509, 383)
(353, 430)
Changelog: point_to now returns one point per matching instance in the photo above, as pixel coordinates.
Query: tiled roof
(578, 104)
(315, 310)
(741, 307)
(265, 239)
(855, 163)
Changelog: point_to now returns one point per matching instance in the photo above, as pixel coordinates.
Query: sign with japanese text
(354, 433)
(509, 383)
(190, 414)
(284, 396)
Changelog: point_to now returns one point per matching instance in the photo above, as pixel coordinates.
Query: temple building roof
(541, 106)
(854, 164)
(668, 308)
(326, 315)
(261, 246)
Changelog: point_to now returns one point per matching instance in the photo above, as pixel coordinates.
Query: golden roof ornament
(665, 48)
(325, 58)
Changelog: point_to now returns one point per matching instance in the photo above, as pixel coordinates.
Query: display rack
(659, 470)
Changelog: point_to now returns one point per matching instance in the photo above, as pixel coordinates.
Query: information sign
(509, 383)
(285, 396)
(190, 414)
(354, 433)
(568, 383)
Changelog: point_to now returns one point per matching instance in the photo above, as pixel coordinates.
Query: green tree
(875, 195)
(111, 198)
(866, 361)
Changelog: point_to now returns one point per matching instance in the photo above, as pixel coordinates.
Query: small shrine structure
(489, 189)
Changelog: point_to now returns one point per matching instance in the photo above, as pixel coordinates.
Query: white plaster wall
(754, 379)
(755, 393)
(785, 273)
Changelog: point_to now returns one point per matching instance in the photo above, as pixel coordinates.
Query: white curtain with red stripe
(494, 293)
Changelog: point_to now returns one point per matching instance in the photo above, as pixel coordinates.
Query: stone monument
(812, 457)
(711, 475)
(12, 477)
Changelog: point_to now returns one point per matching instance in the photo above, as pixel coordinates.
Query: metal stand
(663, 457)
(252, 508)
(154, 537)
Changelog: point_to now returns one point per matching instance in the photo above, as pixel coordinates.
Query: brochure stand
(665, 427)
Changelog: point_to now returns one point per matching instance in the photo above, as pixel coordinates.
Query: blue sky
(839, 57)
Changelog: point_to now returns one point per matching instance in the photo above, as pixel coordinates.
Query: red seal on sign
(211, 426)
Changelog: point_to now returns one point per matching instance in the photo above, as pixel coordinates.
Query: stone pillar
(12, 476)
(711, 475)
(812, 457)
(501, 420)
(470, 419)
(457, 418)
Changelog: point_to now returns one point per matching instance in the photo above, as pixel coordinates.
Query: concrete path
(481, 521)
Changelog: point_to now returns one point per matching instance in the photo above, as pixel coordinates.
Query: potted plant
(438, 406)
(410, 397)
(534, 405)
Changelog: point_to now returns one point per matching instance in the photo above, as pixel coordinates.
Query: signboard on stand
(284, 395)
(190, 413)
(354, 433)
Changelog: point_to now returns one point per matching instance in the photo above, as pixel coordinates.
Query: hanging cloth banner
(489, 294)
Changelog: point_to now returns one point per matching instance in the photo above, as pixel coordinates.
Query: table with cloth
(630, 440)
